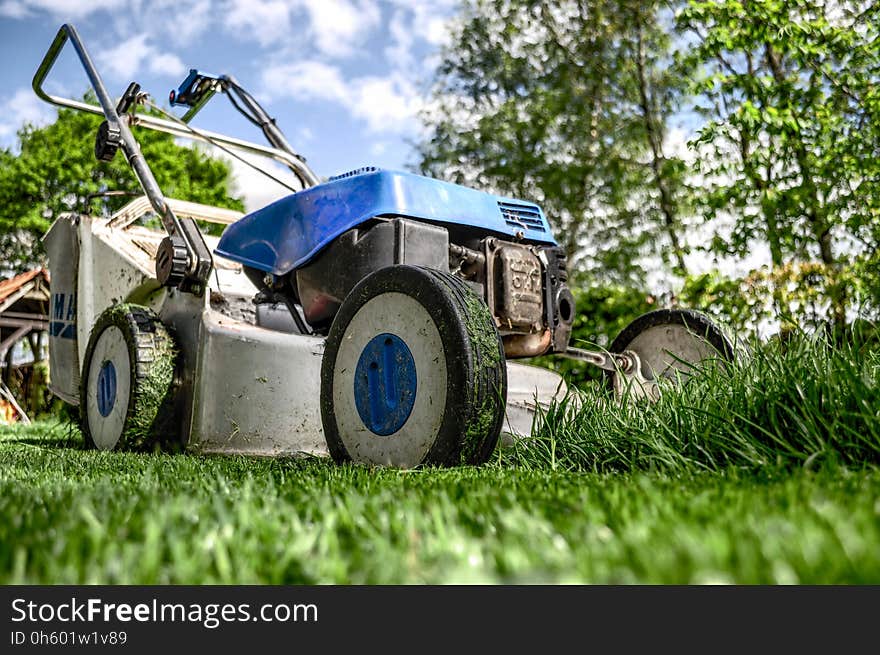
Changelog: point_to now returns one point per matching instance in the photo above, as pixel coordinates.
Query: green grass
(800, 404)
(767, 474)
(71, 516)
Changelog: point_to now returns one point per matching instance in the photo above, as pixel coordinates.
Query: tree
(791, 91)
(55, 171)
(567, 104)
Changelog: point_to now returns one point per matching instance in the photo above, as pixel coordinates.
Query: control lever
(109, 138)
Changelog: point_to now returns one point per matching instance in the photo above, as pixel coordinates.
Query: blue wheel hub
(106, 388)
(385, 384)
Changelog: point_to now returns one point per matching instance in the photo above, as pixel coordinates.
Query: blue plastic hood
(287, 234)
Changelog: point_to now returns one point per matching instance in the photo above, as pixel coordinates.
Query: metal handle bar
(107, 109)
(152, 122)
(199, 257)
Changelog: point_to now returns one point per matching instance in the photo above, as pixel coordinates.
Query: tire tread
(150, 345)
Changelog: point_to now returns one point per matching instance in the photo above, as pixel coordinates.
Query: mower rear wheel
(413, 372)
(127, 382)
(673, 343)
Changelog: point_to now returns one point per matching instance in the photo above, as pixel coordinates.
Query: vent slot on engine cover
(522, 216)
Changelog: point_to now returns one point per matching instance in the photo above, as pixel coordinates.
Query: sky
(344, 79)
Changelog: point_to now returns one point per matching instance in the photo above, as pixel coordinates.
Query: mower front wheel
(413, 372)
(127, 382)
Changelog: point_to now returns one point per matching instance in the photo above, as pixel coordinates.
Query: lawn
(735, 490)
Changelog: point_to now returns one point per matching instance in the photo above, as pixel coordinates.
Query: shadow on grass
(45, 434)
(66, 443)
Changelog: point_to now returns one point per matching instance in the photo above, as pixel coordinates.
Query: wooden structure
(24, 314)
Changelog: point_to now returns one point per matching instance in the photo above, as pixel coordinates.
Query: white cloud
(265, 21)
(339, 26)
(313, 80)
(399, 53)
(166, 63)
(189, 18)
(364, 56)
(181, 20)
(23, 107)
(125, 59)
(429, 18)
(431, 26)
(12, 9)
(385, 103)
(196, 18)
(336, 28)
(128, 58)
(73, 9)
(414, 22)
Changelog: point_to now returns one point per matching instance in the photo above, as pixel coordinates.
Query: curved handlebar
(199, 262)
(108, 110)
(145, 120)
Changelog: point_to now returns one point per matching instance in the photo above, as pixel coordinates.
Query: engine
(524, 285)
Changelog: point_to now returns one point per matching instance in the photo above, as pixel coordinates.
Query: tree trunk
(654, 133)
(814, 209)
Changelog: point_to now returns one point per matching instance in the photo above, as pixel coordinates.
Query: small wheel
(127, 385)
(413, 372)
(672, 342)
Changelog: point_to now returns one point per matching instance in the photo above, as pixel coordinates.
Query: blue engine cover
(287, 234)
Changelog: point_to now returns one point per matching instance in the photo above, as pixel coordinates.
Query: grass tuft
(802, 404)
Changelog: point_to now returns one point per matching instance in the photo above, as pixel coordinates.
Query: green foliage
(566, 104)
(737, 303)
(569, 104)
(790, 147)
(796, 296)
(55, 171)
(84, 517)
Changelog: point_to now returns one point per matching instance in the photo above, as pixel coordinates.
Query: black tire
(132, 340)
(695, 322)
(469, 372)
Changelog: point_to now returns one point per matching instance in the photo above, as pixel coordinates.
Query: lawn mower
(373, 315)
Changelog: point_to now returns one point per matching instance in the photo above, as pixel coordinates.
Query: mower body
(289, 233)
(314, 246)
(243, 388)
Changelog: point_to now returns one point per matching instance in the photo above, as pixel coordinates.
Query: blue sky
(344, 78)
